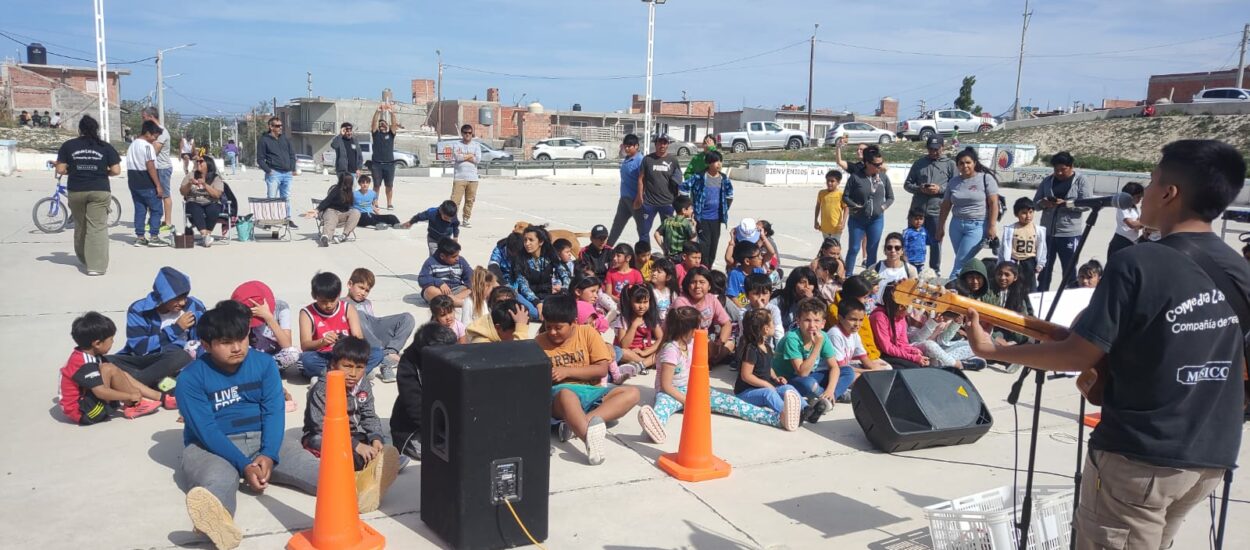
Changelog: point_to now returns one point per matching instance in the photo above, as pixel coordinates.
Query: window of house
(791, 125)
(690, 132)
(93, 86)
(821, 129)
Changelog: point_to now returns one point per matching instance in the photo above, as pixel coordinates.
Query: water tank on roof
(577, 106)
(36, 54)
(486, 115)
(536, 108)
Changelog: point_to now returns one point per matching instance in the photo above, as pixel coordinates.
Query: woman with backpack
(972, 195)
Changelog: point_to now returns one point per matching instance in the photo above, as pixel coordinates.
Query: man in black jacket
(347, 155)
(276, 157)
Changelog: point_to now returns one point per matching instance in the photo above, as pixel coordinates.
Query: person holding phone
(202, 190)
(926, 181)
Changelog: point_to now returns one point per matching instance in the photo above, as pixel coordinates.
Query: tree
(964, 101)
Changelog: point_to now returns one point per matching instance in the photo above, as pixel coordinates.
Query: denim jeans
(1065, 249)
(966, 236)
(315, 363)
(815, 383)
(857, 228)
(625, 212)
(772, 398)
(278, 184)
(648, 217)
(935, 247)
(529, 306)
(232, 160)
(148, 209)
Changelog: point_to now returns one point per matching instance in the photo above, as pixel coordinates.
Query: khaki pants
(332, 219)
(468, 190)
(1126, 504)
(90, 212)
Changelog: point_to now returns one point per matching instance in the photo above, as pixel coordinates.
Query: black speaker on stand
(485, 438)
(908, 409)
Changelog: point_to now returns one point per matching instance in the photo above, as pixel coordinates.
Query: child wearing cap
(748, 230)
(598, 256)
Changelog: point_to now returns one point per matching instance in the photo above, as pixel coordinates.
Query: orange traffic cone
(694, 460)
(337, 524)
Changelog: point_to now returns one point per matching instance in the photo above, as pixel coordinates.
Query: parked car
(761, 135)
(567, 148)
(945, 122)
(305, 163)
(857, 132)
(403, 159)
(488, 153)
(1213, 95)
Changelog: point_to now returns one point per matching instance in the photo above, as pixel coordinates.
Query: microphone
(1118, 200)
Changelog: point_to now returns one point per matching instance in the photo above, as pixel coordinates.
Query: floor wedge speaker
(907, 409)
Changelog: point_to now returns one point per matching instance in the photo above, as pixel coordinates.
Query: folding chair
(271, 215)
(229, 213)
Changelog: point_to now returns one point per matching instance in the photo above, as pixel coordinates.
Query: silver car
(1213, 95)
(305, 163)
(857, 132)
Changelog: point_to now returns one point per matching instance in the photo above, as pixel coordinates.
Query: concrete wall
(1221, 108)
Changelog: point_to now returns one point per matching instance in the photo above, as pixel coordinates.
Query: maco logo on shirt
(1215, 371)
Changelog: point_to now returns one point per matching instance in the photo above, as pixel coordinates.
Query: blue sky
(249, 51)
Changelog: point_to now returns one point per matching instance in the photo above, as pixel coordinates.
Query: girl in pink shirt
(889, 327)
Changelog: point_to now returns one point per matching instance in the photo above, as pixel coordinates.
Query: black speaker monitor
(485, 439)
(907, 409)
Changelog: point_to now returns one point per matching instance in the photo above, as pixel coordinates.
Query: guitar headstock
(921, 295)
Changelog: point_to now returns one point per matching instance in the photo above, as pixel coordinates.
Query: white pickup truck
(944, 122)
(761, 135)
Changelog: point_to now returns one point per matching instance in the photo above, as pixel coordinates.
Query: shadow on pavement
(291, 519)
(919, 539)
(818, 512)
(919, 501)
(61, 258)
(845, 431)
(168, 448)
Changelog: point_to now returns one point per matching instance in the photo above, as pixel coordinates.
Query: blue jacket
(215, 405)
(695, 187)
(436, 228)
(915, 243)
(144, 335)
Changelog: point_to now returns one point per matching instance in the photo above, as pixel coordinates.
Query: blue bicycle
(51, 214)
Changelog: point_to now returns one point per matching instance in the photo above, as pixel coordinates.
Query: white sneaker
(651, 424)
(791, 411)
(212, 519)
(596, 432)
(208, 241)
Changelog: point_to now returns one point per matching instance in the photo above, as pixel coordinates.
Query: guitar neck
(1004, 318)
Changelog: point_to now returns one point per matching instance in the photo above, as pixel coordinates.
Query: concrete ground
(112, 486)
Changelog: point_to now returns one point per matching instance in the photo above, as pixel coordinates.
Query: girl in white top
(1127, 228)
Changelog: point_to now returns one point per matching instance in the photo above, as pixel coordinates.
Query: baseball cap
(254, 292)
(662, 137)
(870, 276)
(599, 232)
(747, 231)
(935, 142)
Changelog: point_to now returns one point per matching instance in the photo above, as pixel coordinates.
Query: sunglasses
(893, 247)
(878, 164)
(275, 125)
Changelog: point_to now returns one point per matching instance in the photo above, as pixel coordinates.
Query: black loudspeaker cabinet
(908, 409)
(485, 437)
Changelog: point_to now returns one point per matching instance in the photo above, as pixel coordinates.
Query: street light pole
(102, 72)
(160, 84)
(646, 137)
(811, 71)
(1024, 28)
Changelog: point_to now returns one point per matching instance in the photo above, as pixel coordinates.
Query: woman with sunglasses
(202, 189)
(895, 266)
(868, 194)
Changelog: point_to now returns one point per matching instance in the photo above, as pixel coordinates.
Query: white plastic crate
(985, 521)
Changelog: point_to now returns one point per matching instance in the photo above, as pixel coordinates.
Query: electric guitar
(935, 299)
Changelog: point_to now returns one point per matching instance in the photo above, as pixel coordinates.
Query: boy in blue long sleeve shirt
(234, 426)
(915, 239)
(440, 223)
(446, 273)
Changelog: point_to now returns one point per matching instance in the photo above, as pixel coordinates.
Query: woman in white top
(1127, 228)
(894, 267)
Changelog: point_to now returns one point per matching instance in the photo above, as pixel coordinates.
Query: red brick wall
(1182, 87)
(492, 94)
(888, 108)
(50, 77)
(1120, 103)
(423, 91)
(537, 127)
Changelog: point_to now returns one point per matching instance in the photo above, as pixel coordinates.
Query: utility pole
(101, 71)
(811, 69)
(1241, 60)
(438, 105)
(309, 84)
(160, 80)
(646, 137)
(1024, 28)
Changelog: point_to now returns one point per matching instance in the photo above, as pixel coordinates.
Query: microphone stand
(1026, 513)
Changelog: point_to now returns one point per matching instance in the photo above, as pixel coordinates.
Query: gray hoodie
(361, 415)
(1063, 221)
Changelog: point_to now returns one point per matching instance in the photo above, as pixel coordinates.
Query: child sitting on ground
(828, 283)
(759, 292)
(1024, 243)
(389, 333)
(1088, 275)
(642, 259)
(441, 223)
(807, 360)
(269, 331)
(638, 332)
(350, 354)
(757, 384)
(161, 335)
(597, 255)
(443, 312)
(492, 327)
(579, 360)
(474, 306)
(365, 200)
(717, 280)
(697, 293)
(747, 261)
(674, 375)
(406, 413)
(586, 289)
(622, 272)
(848, 345)
(446, 273)
(889, 324)
(691, 257)
(89, 383)
(663, 285)
(323, 322)
(567, 265)
(831, 247)
(1009, 292)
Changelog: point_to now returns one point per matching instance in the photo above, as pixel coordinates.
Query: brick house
(71, 91)
(1181, 87)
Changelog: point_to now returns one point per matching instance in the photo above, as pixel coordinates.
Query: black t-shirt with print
(1174, 347)
(383, 147)
(88, 164)
(660, 179)
(762, 366)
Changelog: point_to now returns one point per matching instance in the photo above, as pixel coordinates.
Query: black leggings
(204, 216)
(899, 363)
(149, 370)
(370, 220)
(709, 240)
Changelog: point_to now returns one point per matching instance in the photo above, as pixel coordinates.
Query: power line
(52, 53)
(624, 77)
(1056, 55)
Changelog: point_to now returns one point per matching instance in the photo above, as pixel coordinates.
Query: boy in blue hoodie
(161, 330)
(234, 427)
